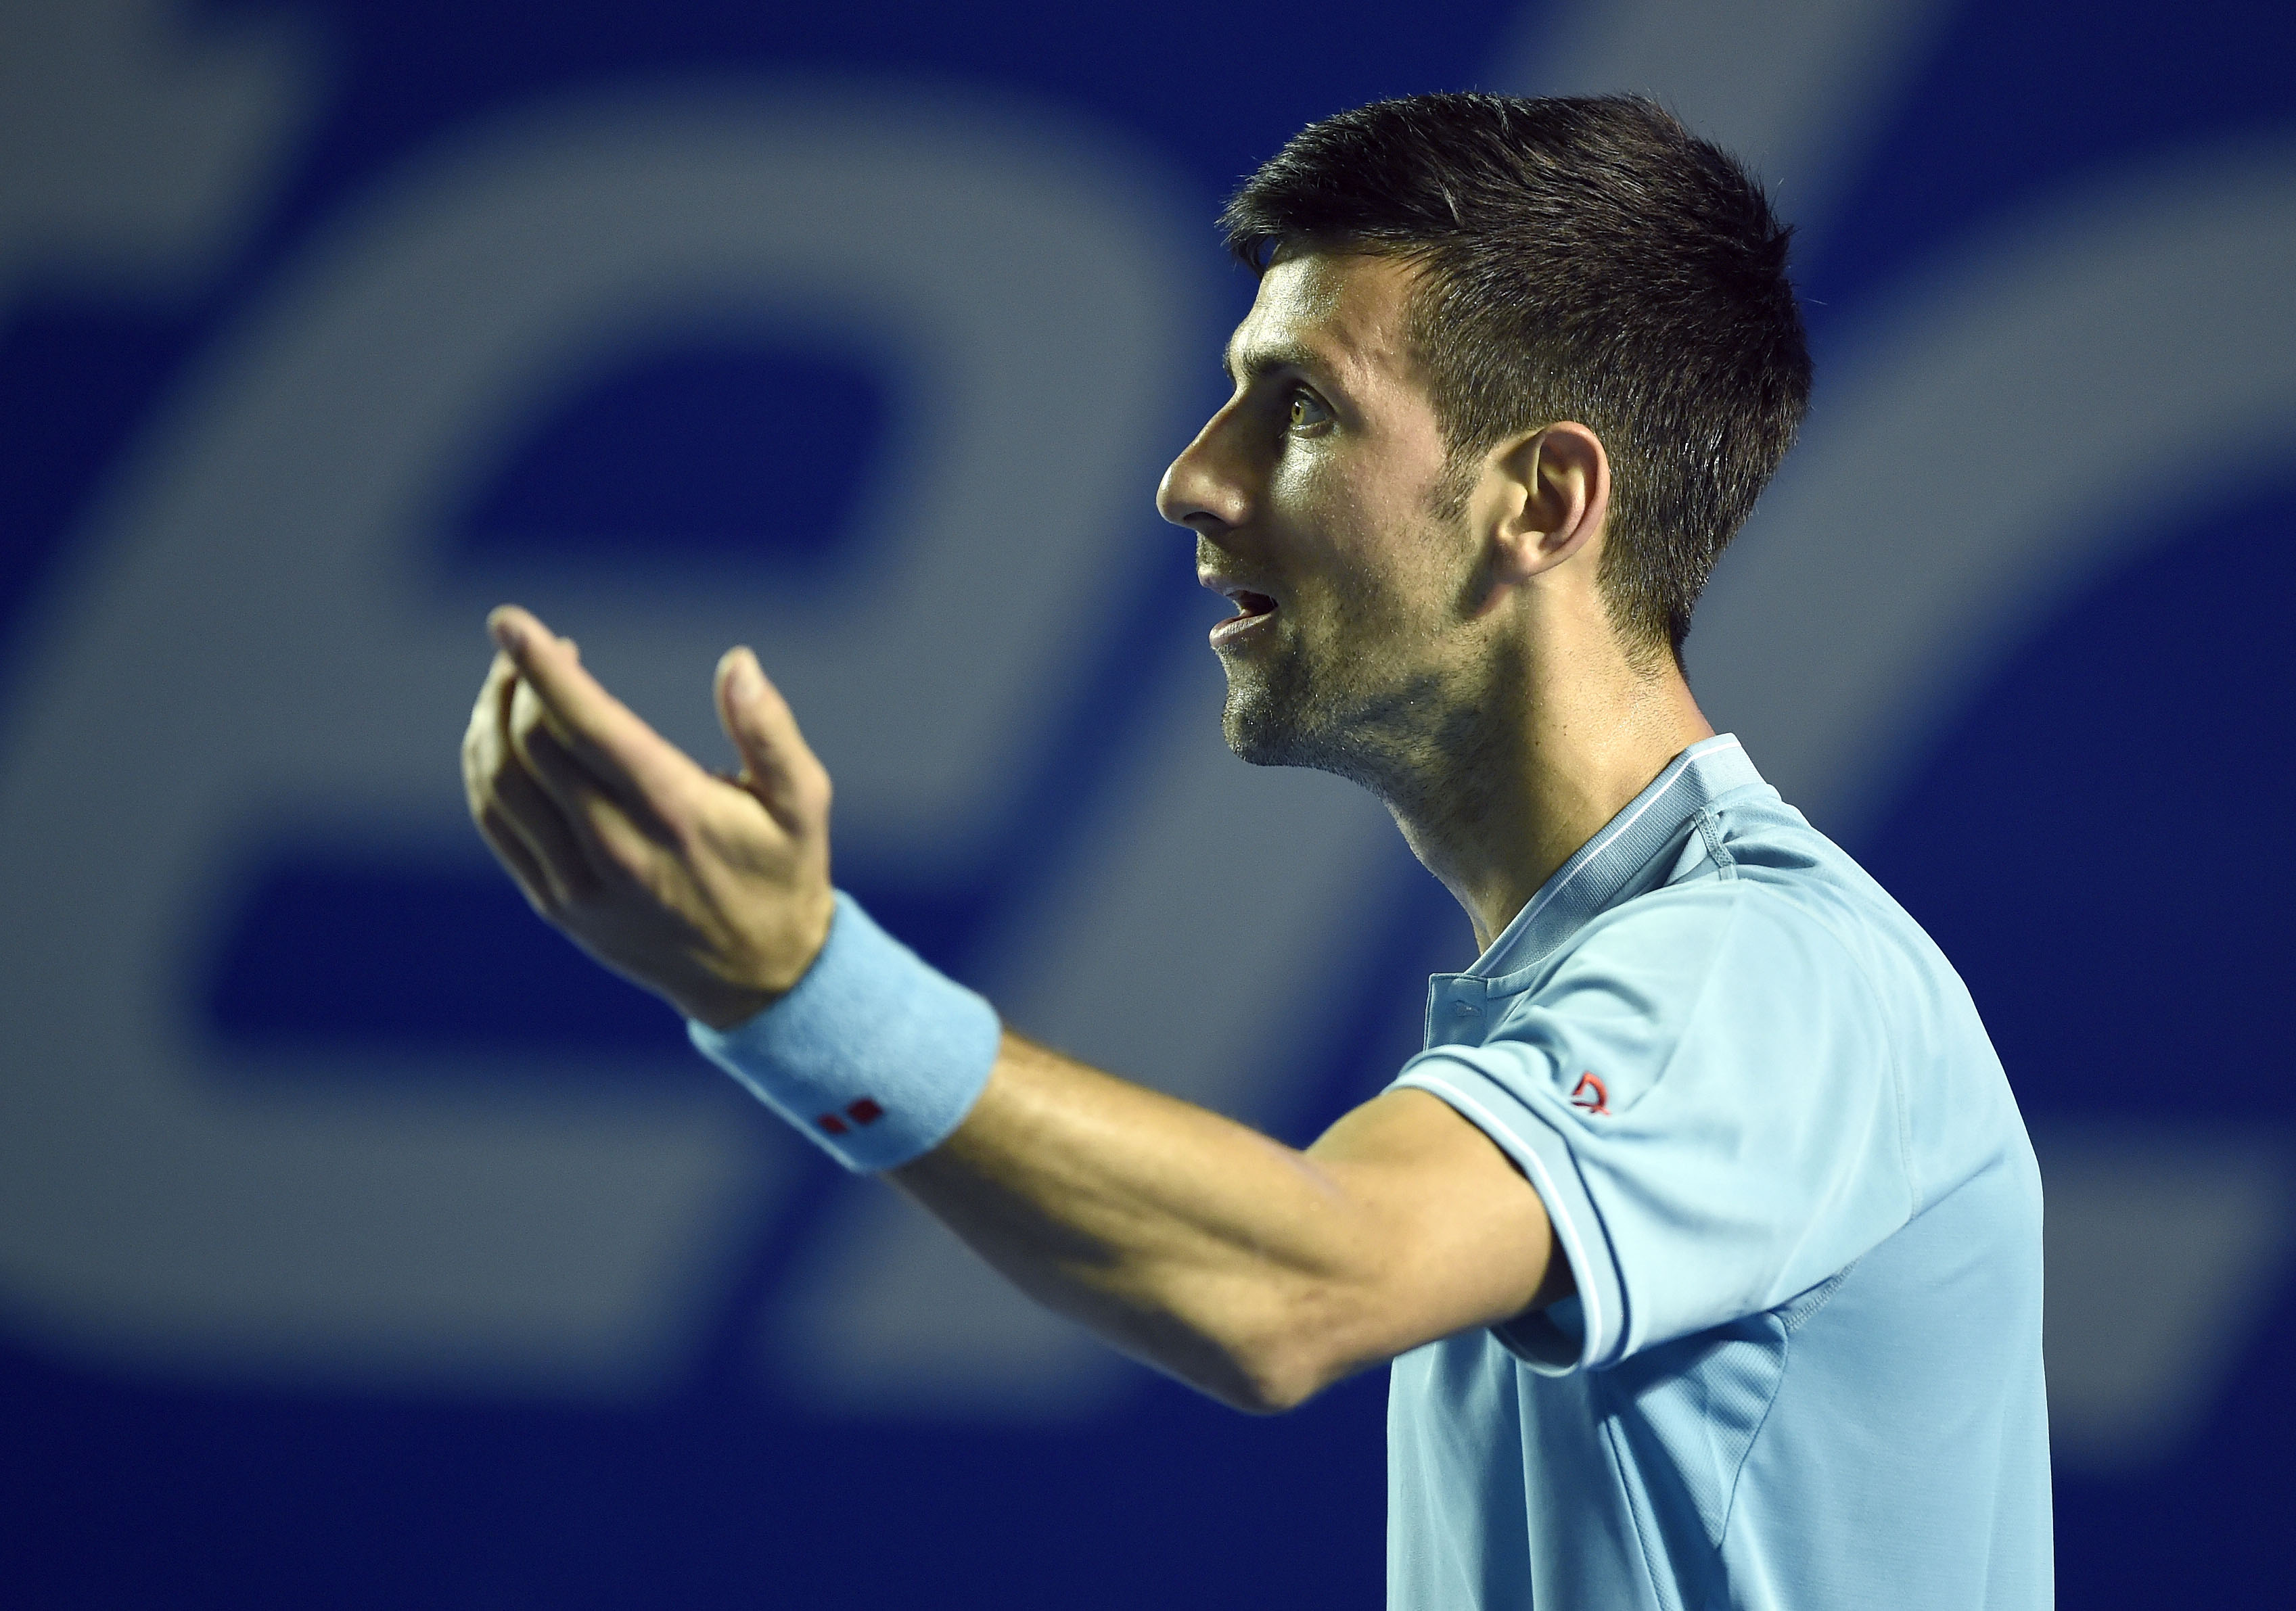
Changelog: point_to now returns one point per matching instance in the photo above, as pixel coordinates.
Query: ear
(1551, 494)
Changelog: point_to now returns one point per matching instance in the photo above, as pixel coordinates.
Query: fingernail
(506, 633)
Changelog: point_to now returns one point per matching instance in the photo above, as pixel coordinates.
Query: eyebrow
(1258, 361)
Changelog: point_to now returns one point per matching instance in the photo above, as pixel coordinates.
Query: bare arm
(1255, 1272)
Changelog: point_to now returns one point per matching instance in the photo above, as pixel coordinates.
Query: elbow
(1273, 1356)
(1270, 1377)
(1254, 1395)
(1278, 1398)
(1263, 1351)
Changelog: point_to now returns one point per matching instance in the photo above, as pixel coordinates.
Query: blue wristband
(874, 1054)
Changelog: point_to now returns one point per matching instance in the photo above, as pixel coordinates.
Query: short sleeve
(1700, 1090)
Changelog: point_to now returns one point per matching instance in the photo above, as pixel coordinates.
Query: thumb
(777, 766)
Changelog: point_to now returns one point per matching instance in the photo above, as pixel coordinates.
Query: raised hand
(711, 892)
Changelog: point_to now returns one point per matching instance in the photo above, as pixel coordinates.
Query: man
(1705, 1235)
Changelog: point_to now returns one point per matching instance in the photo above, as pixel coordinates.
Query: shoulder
(1802, 881)
(1763, 938)
(1754, 932)
(1716, 973)
(1958, 1112)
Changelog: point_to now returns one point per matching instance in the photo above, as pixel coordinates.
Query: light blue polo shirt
(1803, 1368)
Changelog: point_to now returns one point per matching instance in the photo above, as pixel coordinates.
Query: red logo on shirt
(1589, 1095)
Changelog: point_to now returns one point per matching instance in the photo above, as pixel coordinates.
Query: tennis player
(1704, 1236)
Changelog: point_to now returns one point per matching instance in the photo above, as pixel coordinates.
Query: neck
(1556, 745)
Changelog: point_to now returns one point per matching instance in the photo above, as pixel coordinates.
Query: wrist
(722, 1004)
(872, 1053)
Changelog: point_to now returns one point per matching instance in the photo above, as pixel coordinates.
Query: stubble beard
(1365, 715)
(1270, 718)
(1382, 728)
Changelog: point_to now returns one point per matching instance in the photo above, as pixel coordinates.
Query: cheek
(1362, 552)
(1301, 494)
(1333, 523)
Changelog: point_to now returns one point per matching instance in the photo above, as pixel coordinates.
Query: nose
(1207, 482)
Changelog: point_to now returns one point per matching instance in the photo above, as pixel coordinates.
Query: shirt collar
(1591, 880)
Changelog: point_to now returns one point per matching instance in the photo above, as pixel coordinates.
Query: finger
(604, 735)
(780, 768)
(484, 741)
(511, 809)
(522, 804)
(557, 764)
(511, 851)
(529, 728)
(609, 842)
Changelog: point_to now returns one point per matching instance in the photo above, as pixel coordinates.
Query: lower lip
(1227, 633)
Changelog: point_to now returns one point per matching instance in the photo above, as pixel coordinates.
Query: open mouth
(1252, 608)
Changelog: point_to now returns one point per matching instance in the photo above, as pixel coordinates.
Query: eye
(1308, 411)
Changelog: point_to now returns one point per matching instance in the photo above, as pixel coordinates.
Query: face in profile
(1323, 510)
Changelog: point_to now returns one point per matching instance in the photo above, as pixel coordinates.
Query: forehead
(1342, 315)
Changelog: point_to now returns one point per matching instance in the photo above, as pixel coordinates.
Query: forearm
(1255, 1272)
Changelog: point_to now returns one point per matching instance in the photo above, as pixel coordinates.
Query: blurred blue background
(361, 1245)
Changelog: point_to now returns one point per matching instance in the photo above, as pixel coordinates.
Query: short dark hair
(1585, 258)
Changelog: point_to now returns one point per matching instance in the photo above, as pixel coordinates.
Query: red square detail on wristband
(832, 1124)
(865, 1111)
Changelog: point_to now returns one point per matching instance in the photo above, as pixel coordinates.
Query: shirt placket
(1458, 1010)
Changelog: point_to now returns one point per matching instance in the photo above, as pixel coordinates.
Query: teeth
(1248, 603)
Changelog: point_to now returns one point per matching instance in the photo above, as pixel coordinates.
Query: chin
(1257, 728)
(1282, 711)
(1267, 731)
(1253, 741)
(1281, 720)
